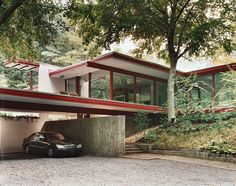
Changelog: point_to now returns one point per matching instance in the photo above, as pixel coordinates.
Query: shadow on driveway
(18, 156)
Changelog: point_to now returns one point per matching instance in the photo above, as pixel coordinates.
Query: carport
(102, 136)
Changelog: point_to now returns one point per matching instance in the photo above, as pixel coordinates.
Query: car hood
(62, 142)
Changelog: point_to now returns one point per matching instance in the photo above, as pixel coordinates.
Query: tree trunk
(171, 91)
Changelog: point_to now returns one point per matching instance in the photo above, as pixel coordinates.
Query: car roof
(49, 133)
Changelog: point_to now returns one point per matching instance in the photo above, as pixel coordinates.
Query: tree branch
(1, 2)
(10, 10)
(182, 28)
(185, 51)
(182, 10)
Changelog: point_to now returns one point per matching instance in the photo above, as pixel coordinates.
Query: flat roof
(113, 60)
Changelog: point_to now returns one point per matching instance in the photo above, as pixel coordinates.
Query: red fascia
(90, 101)
(213, 70)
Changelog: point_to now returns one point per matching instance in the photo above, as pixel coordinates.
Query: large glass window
(205, 84)
(71, 85)
(123, 87)
(161, 93)
(144, 91)
(223, 98)
(84, 84)
(100, 84)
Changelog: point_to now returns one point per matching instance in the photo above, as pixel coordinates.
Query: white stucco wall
(47, 84)
(12, 132)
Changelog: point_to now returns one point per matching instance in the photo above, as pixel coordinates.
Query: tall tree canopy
(24, 25)
(67, 48)
(171, 28)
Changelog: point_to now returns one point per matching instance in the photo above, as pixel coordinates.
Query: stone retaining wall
(103, 136)
(190, 153)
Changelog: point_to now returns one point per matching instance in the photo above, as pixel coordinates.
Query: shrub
(141, 120)
(206, 117)
(151, 136)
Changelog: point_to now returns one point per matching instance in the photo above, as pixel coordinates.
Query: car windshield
(54, 136)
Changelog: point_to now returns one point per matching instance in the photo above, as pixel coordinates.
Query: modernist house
(111, 84)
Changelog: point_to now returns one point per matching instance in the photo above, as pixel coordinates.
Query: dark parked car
(52, 143)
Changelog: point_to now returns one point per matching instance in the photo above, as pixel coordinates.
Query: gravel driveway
(91, 171)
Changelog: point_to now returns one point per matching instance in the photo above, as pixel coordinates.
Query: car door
(42, 143)
(33, 142)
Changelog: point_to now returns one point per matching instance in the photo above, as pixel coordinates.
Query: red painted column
(65, 85)
(213, 86)
(154, 93)
(111, 86)
(89, 85)
(134, 89)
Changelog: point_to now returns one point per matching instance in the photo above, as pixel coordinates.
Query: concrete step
(132, 148)
(130, 145)
(133, 151)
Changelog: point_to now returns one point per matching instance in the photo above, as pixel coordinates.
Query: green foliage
(206, 117)
(227, 93)
(32, 24)
(151, 136)
(18, 79)
(109, 21)
(187, 102)
(218, 137)
(11, 117)
(172, 29)
(141, 120)
(222, 147)
(67, 48)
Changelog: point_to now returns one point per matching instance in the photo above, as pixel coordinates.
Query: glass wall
(71, 85)
(223, 98)
(83, 86)
(196, 95)
(205, 84)
(161, 93)
(144, 91)
(100, 84)
(123, 87)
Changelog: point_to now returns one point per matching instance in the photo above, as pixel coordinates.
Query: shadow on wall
(12, 133)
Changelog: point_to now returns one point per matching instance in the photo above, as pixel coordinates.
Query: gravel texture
(91, 171)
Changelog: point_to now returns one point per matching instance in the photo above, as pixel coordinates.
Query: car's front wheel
(27, 149)
(51, 153)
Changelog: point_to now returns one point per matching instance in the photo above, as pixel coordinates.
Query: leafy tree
(172, 28)
(24, 25)
(67, 48)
